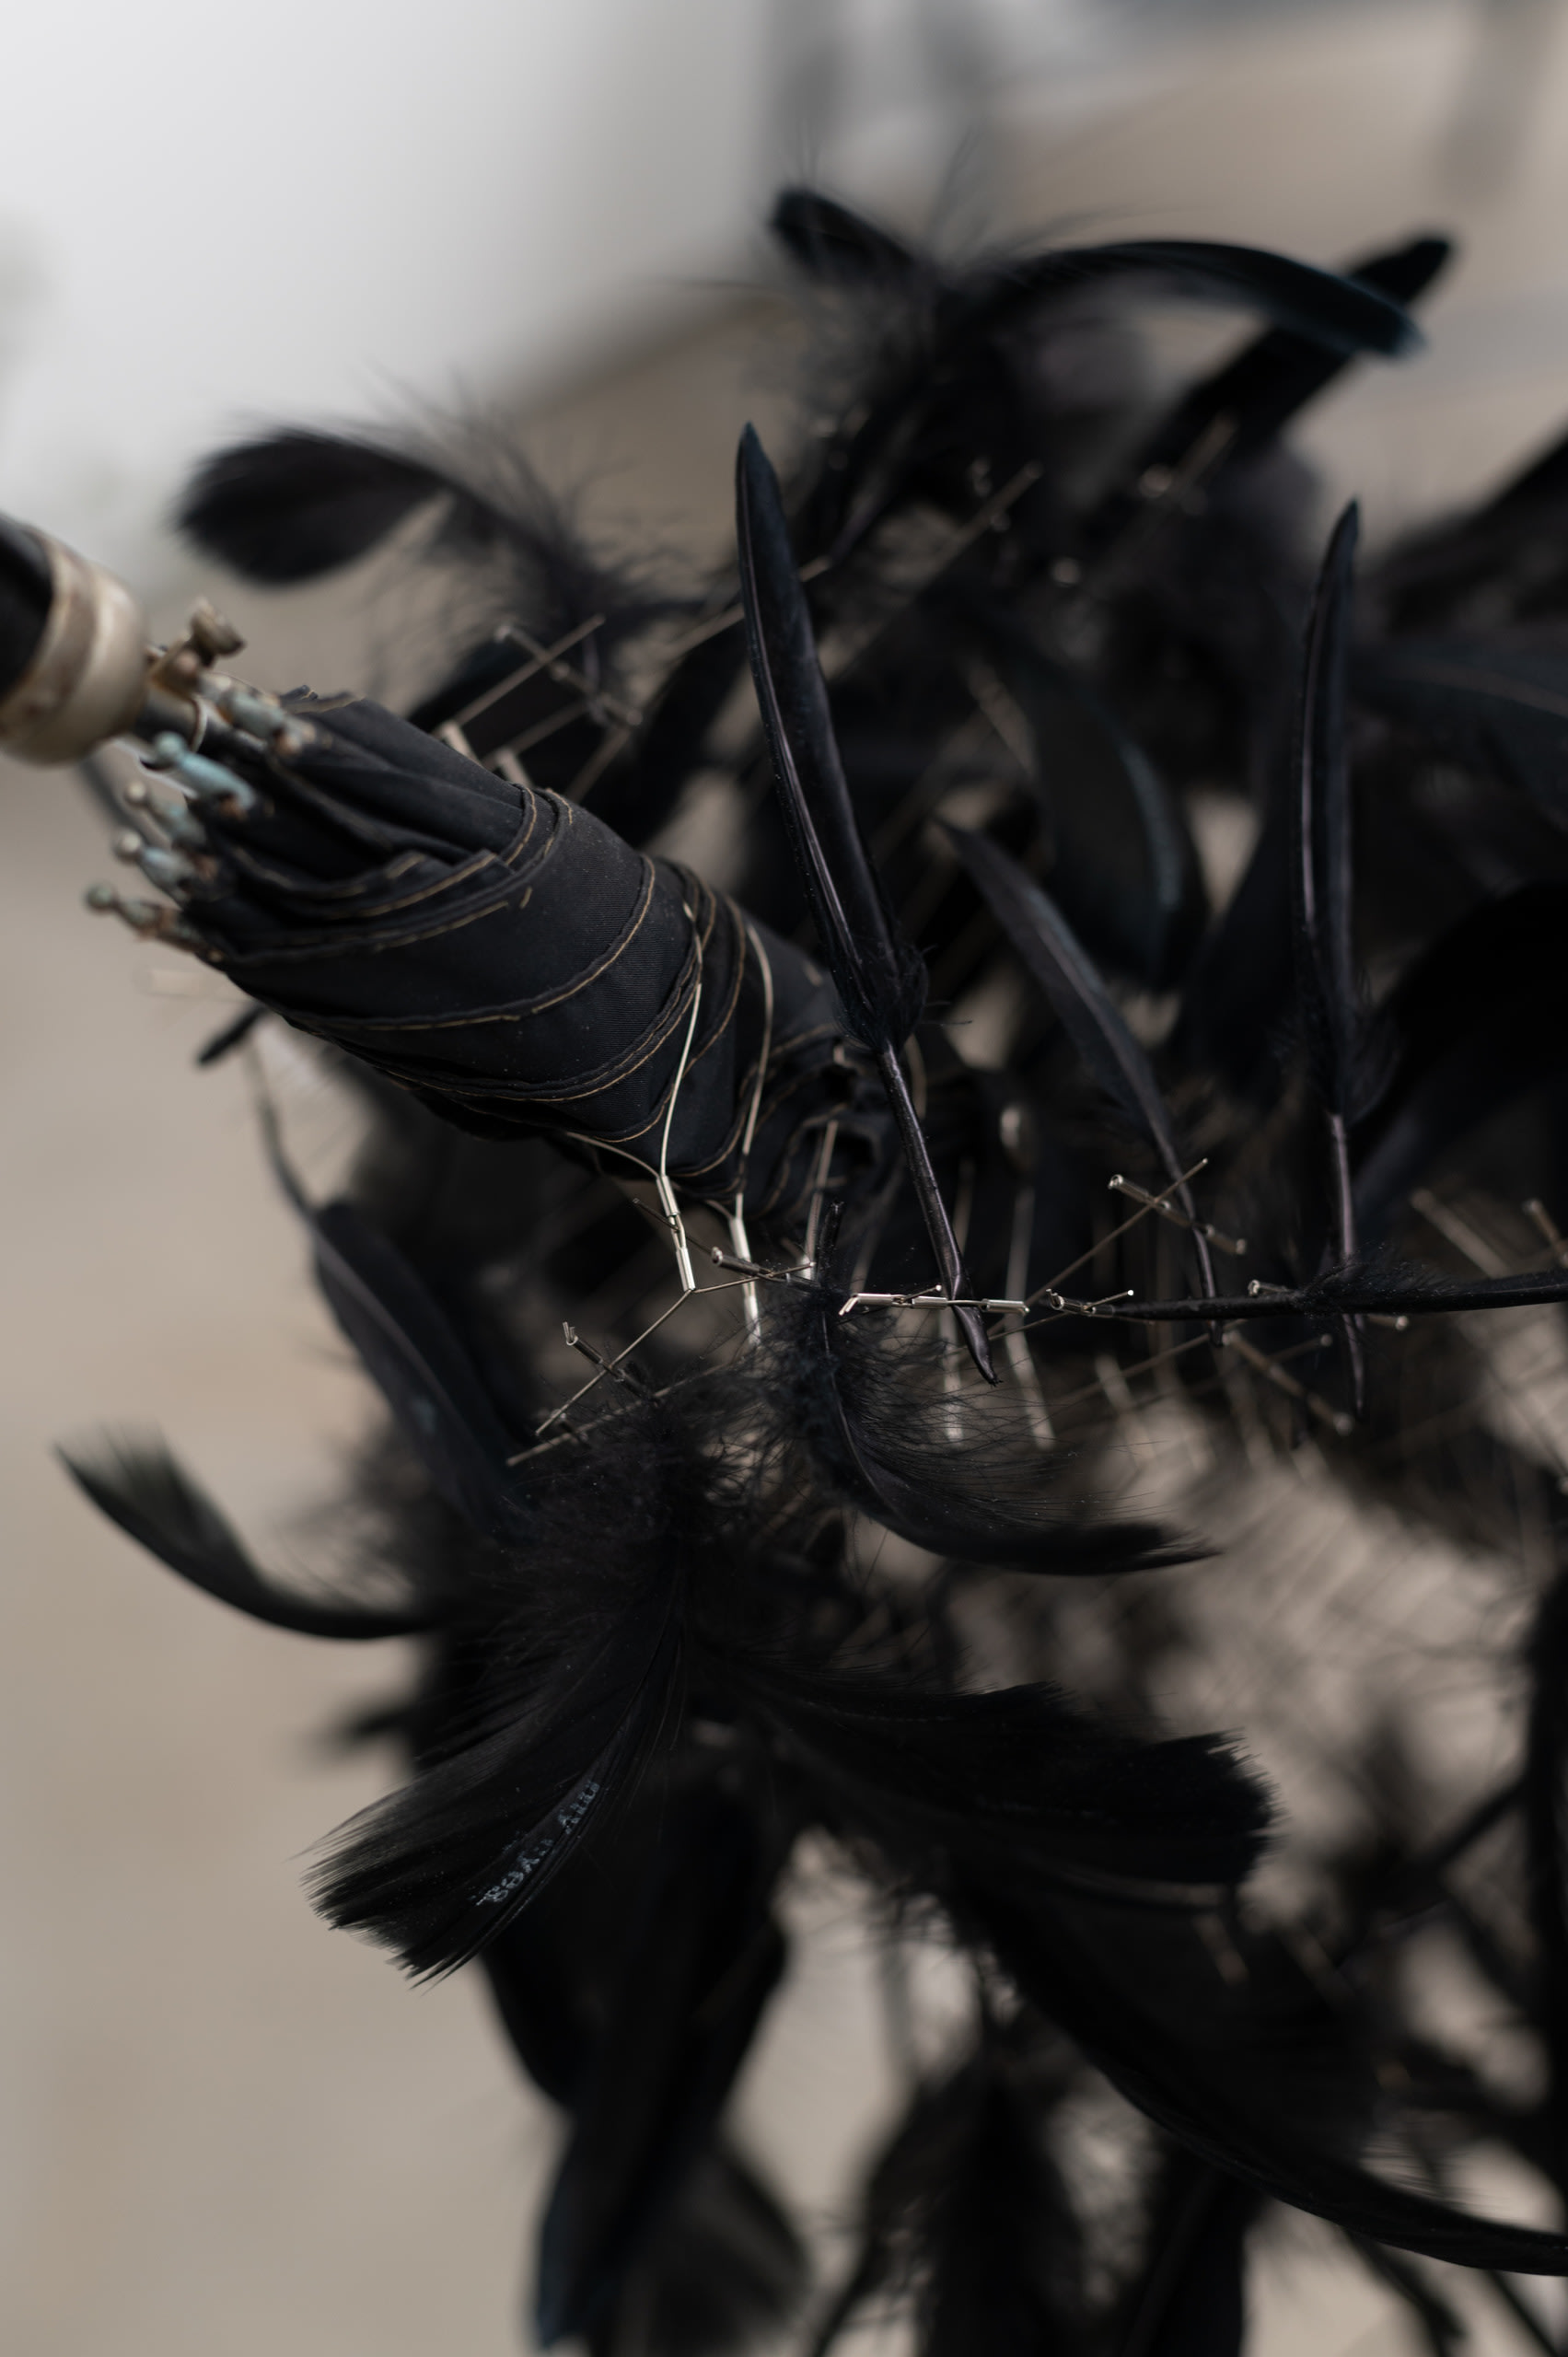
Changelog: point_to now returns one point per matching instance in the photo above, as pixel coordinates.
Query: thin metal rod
(1052, 1285)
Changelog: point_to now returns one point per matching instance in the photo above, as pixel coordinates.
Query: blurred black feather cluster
(784, 1292)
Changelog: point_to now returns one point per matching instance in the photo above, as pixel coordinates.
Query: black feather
(981, 1498)
(1330, 1014)
(879, 975)
(1123, 871)
(1059, 964)
(1019, 1783)
(1273, 378)
(140, 1486)
(1503, 705)
(291, 506)
(700, 1963)
(1211, 2083)
(827, 240)
(1479, 1019)
(967, 2212)
(1345, 314)
(438, 1869)
(423, 1371)
(1329, 1010)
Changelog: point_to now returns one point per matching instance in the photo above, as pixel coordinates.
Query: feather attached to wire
(144, 1489)
(879, 976)
(1058, 963)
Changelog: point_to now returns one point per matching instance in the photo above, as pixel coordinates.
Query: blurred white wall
(324, 208)
(313, 206)
(339, 208)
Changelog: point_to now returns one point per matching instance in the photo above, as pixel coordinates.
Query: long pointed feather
(1058, 962)
(1321, 895)
(1273, 378)
(879, 977)
(1322, 874)
(144, 1489)
(1345, 314)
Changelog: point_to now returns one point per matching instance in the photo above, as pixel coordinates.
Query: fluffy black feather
(435, 1872)
(1019, 1783)
(981, 1495)
(830, 241)
(967, 2210)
